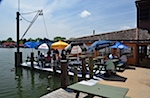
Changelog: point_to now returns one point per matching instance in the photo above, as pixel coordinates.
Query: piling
(32, 60)
(64, 73)
(18, 54)
(18, 58)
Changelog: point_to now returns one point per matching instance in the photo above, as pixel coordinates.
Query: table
(100, 57)
(74, 58)
(115, 60)
(101, 90)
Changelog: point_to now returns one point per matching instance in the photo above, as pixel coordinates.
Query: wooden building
(137, 39)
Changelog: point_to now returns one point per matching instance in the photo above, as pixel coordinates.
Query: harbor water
(23, 82)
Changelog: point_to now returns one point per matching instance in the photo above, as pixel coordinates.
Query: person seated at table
(110, 67)
(123, 59)
(48, 58)
(113, 56)
(42, 59)
(38, 57)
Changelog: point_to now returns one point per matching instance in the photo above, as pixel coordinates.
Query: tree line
(36, 39)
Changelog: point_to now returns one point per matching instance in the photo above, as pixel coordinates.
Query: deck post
(91, 62)
(64, 73)
(32, 60)
(83, 68)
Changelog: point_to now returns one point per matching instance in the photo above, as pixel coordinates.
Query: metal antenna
(18, 5)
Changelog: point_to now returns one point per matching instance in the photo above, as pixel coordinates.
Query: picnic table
(99, 67)
(96, 89)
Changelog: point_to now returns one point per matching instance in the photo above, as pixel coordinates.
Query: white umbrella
(76, 49)
(43, 46)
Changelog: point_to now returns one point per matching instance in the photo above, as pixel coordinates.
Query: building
(129, 38)
(143, 14)
(138, 39)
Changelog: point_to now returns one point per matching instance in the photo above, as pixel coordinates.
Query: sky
(66, 18)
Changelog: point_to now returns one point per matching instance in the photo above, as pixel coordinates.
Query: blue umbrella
(119, 46)
(31, 44)
(100, 44)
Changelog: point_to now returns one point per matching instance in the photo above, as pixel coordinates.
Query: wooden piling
(64, 73)
(18, 58)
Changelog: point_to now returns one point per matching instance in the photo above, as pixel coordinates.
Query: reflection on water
(18, 76)
(33, 83)
(23, 82)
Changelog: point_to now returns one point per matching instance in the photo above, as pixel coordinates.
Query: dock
(61, 93)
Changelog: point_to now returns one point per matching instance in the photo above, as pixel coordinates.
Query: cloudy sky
(66, 18)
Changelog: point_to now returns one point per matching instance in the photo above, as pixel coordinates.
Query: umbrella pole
(91, 62)
(83, 68)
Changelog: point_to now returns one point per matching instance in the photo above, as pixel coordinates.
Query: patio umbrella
(119, 46)
(43, 46)
(59, 45)
(100, 44)
(30, 44)
(76, 48)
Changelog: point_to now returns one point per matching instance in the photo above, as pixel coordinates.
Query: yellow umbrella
(59, 45)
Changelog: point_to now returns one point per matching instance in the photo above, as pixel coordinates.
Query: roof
(129, 34)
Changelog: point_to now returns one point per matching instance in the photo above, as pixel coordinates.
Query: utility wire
(39, 13)
(30, 12)
(25, 19)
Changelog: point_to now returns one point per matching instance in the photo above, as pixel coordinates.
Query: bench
(120, 65)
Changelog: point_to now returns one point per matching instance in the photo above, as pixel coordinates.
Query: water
(30, 84)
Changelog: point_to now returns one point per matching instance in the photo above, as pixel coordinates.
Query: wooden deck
(61, 93)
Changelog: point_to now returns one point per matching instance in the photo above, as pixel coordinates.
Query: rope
(45, 26)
